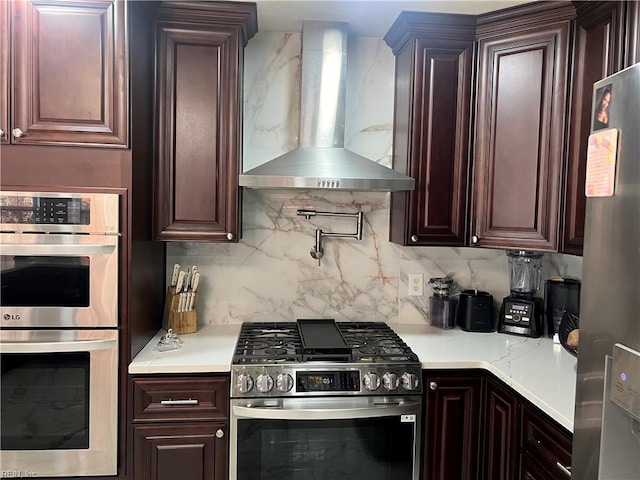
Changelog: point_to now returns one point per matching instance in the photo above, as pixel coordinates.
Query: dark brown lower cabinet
(180, 427)
(477, 427)
(452, 425)
(180, 451)
(545, 447)
(500, 446)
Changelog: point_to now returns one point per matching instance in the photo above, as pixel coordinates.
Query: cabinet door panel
(442, 171)
(197, 133)
(70, 72)
(597, 54)
(184, 451)
(632, 34)
(4, 72)
(519, 138)
(500, 432)
(452, 427)
(431, 128)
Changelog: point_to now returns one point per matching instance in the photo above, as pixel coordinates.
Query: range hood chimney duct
(321, 161)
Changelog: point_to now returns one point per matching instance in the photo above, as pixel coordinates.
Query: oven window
(44, 281)
(44, 401)
(359, 449)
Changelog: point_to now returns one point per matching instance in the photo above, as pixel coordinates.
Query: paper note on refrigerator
(601, 163)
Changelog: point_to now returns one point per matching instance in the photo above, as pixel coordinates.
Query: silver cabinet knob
(229, 236)
(414, 238)
(1, 133)
(475, 239)
(284, 382)
(433, 386)
(219, 433)
(17, 133)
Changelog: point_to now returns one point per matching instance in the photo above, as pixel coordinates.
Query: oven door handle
(381, 410)
(48, 347)
(58, 249)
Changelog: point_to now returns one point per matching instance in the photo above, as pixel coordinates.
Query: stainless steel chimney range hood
(321, 161)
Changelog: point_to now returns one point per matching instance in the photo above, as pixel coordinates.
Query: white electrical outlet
(416, 284)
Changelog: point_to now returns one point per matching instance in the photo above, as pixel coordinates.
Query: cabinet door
(519, 138)
(69, 62)
(431, 128)
(597, 53)
(4, 72)
(452, 426)
(632, 34)
(547, 443)
(198, 132)
(500, 432)
(180, 451)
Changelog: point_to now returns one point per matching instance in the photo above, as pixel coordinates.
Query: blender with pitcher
(521, 312)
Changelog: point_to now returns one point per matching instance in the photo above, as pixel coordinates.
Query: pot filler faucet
(316, 251)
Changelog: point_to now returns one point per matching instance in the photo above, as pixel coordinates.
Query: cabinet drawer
(180, 398)
(545, 442)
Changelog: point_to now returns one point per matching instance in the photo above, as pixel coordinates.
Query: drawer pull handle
(191, 401)
(220, 433)
(565, 470)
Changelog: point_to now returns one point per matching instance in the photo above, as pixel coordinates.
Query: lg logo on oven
(8, 317)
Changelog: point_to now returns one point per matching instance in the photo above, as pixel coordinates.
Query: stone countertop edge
(539, 370)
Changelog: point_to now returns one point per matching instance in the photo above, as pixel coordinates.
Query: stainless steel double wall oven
(324, 400)
(58, 333)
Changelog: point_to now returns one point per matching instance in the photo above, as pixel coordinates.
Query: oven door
(58, 400)
(359, 438)
(58, 280)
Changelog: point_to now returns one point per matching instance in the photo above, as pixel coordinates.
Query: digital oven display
(328, 381)
(42, 210)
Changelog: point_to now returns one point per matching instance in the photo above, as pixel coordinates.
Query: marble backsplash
(269, 274)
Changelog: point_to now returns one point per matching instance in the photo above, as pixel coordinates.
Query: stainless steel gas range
(324, 400)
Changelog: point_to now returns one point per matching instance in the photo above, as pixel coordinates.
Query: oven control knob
(409, 381)
(244, 383)
(371, 381)
(264, 383)
(284, 382)
(390, 381)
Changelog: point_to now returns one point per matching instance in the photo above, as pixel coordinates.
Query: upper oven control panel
(327, 380)
(55, 212)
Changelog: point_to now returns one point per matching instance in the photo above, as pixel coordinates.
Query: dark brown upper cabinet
(198, 114)
(434, 58)
(68, 66)
(4, 72)
(520, 122)
(598, 52)
(632, 33)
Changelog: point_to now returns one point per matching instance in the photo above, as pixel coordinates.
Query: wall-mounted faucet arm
(316, 250)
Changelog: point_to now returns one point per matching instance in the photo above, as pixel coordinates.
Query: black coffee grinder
(521, 312)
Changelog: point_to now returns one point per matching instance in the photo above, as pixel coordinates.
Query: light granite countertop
(539, 370)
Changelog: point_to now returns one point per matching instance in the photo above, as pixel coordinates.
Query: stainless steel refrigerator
(606, 442)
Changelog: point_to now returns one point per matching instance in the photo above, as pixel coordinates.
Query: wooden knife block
(179, 322)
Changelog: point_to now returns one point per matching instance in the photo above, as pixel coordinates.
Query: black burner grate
(280, 342)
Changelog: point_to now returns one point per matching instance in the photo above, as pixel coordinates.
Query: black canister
(475, 311)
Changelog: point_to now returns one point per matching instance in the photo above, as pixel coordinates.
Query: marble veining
(269, 274)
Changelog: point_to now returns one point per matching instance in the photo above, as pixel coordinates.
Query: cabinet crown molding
(431, 26)
(228, 14)
(524, 17)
